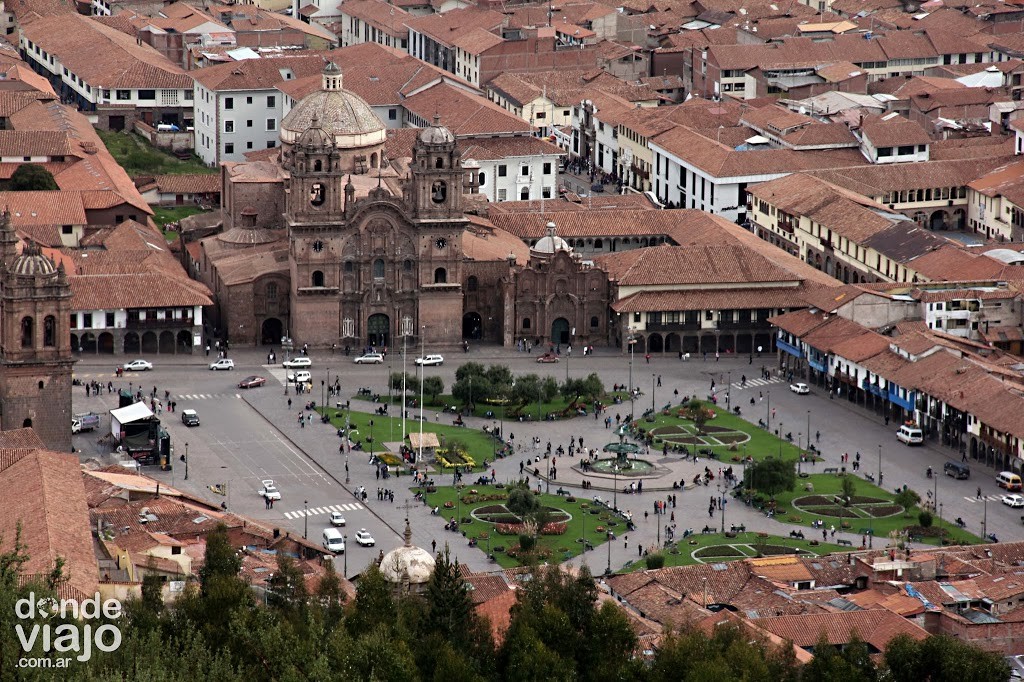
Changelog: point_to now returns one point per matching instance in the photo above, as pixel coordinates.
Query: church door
(560, 331)
(379, 330)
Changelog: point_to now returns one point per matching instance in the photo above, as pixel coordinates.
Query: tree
(433, 387)
(852, 664)
(449, 609)
(286, 588)
(522, 502)
(907, 498)
(925, 519)
(31, 177)
(942, 658)
(655, 560)
(772, 475)
(849, 489)
(221, 559)
(412, 383)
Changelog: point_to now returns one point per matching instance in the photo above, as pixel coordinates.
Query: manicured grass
(479, 445)
(139, 157)
(831, 484)
(761, 445)
(558, 547)
(172, 214)
(743, 546)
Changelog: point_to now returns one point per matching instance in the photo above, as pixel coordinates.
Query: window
(598, 244)
(271, 124)
(440, 276)
(109, 320)
(524, 194)
(636, 317)
(271, 101)
(87, 320)
(392, 114)
(439, 163)
(229, 148)
(541, 114)
(49, 331)
(229, 126)
(271, 291)
(317, 194)
(248, 145)
(318, 278)
(594, 322)
(407, 265)
(229, 102)
(906, 149)
(547, 168)
(27, 329)
(885, 151)
(248, 100)
(66, 229)
(124, 95)
(472, 283)
(524, 171)
(271, 144)
(502, 194)
(526, 323)
(546, 192)
(248, 124)
(147, 95)
(481, 179)
(74, 320)
(348, 266)
(378, 268)
(502, 170)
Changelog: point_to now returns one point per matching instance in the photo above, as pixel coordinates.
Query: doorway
(560, 331)
(378, 329)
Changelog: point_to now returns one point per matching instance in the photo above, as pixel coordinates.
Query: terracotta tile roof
(876, 627)
(103, 56)
(497, 612)
(484, 587)
(189, 183)
(877, 180)
(930, 101)
(683, 265)
(861, 346)
(476, 41)
(50, 506)
(175, 517)
(105, 292)
(506, 147)
(972, 148)
(798, 323)
(33, 143)
(892, 131)
(481, 241)
(613, 202)
(44, 208)
(259, 74)
(388, 18)
(20, 438)
(711, 299)
(954, 263)
(445, 28)
(464, 114)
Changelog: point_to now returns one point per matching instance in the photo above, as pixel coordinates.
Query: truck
(137, 431)
(87, 421)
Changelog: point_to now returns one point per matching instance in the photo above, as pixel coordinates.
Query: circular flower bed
(834, 510)
(718, 551)
(879, 510)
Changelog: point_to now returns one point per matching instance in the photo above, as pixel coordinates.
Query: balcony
(736, 324)
(159, 324)
(987, 436)
(672, 326)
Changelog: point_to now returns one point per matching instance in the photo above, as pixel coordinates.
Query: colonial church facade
(369, 255)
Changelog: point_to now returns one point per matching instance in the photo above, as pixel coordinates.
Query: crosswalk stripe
(990, 498)
(289, 515)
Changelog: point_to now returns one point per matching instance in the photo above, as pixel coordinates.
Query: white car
(1014, 501)
(297, 363)
(299, 377)
(138, 366)
(800, 389)
(430, 360)
(364, 539)
(269, 490)
(337, 519)
(223, 363)
(369, 359)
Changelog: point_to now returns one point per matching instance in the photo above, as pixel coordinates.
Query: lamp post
(808, 429)
(583, 538)
(800, 449)
(608, 571)
(768, 411)
(879, 465)
(305, 519)
(728, 391)
(721, 503)
(659, 529)
(632, 342)
(615, 487)
(781, 426)
(186, 461)
(984, 520)
(494, 449)
(346, 461)
(344, 541)
(653, 410)
(405, 354)
(370, 423)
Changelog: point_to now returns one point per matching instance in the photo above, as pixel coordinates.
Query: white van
(1008, 480)
(911, 435)
(333, 541)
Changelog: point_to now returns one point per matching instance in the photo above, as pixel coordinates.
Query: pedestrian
(207, 350)
(625, 542)
(963, 456)
(289, 404)
(640, 549)
(979, 492)
(659, 381)
(817, 437)
(433, 546)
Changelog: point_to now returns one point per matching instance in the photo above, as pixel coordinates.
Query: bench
(848, 543)
(799, 534)
(739, 529)
(562, 491)
(831, 470)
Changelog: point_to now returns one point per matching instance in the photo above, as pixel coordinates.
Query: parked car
(800, 389)
(430, 360)
(299, 377)
(300, 362)
(337, 519)
(190, 418)
(547, 357)
(364, 539)
(138, 366)
(223, 363)
(269, 490)
(369, 359)
(1015, 501)
(87, 421)
(251, 382)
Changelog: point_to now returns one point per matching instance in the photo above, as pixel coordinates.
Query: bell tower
(35, 342)
(436, 174)
(314, 164)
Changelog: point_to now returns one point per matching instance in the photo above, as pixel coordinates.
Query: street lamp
(728, 391)
(186, 461)
(721, 503)
(494, 437)
(305, 519)
(615, 487)
(800, 450)
(323, 388)
(371, 439)
(346, 461)
(879, 465)
(632, 342)
(652, 396)
(583, 537)
(344, 541)
(781, 426)
(984, 520)
(768, 411)
(608, 571)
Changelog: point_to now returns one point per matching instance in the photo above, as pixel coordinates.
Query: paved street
(250, 435)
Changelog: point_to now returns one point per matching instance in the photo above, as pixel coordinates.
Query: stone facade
(35, 343)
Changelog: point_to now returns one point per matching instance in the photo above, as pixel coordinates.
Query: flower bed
(390, 459)
(452, 457)
(833, 510)
(813, 500)
(860, 499)
(772, 550)
(472, 498)
(879, 510)
(717, 551)
(557, 528)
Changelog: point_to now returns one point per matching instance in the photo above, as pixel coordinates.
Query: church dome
(315, 137)
(551, 242)
(407, 564)
(32, 262)
(341, 114)
(437, 134)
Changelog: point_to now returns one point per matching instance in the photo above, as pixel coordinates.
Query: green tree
(449, 609)
(848, 490)
(522, 502)
(433, 387)
(30, 177)
(907, 499)
(941, 658)
(772, 475)
(654, 560)
(286, 588)
(925, 519)
(374, 604)
(412, 383)
(852, 664)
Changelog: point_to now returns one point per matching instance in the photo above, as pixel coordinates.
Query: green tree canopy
(771, 475)
(31, 177)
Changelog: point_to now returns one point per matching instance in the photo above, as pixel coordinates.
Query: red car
(251, 382)
(548, 357)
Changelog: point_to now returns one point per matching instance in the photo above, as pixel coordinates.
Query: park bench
(799, 534)
(831, 470)
(707, 530)
(848, 543)
(738, 529)
(562, 491)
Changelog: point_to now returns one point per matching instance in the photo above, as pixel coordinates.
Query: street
(250, 435)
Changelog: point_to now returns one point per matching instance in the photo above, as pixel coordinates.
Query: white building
(238, 107)
(514, 168)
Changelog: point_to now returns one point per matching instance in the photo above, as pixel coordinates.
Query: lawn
(478, 444)
(717, 548)
(172, 214)
(553, 548)
(139, 157)
(529, 412)
(814, 504)
(723, 429)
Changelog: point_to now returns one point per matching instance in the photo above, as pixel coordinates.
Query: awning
(132, 413)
